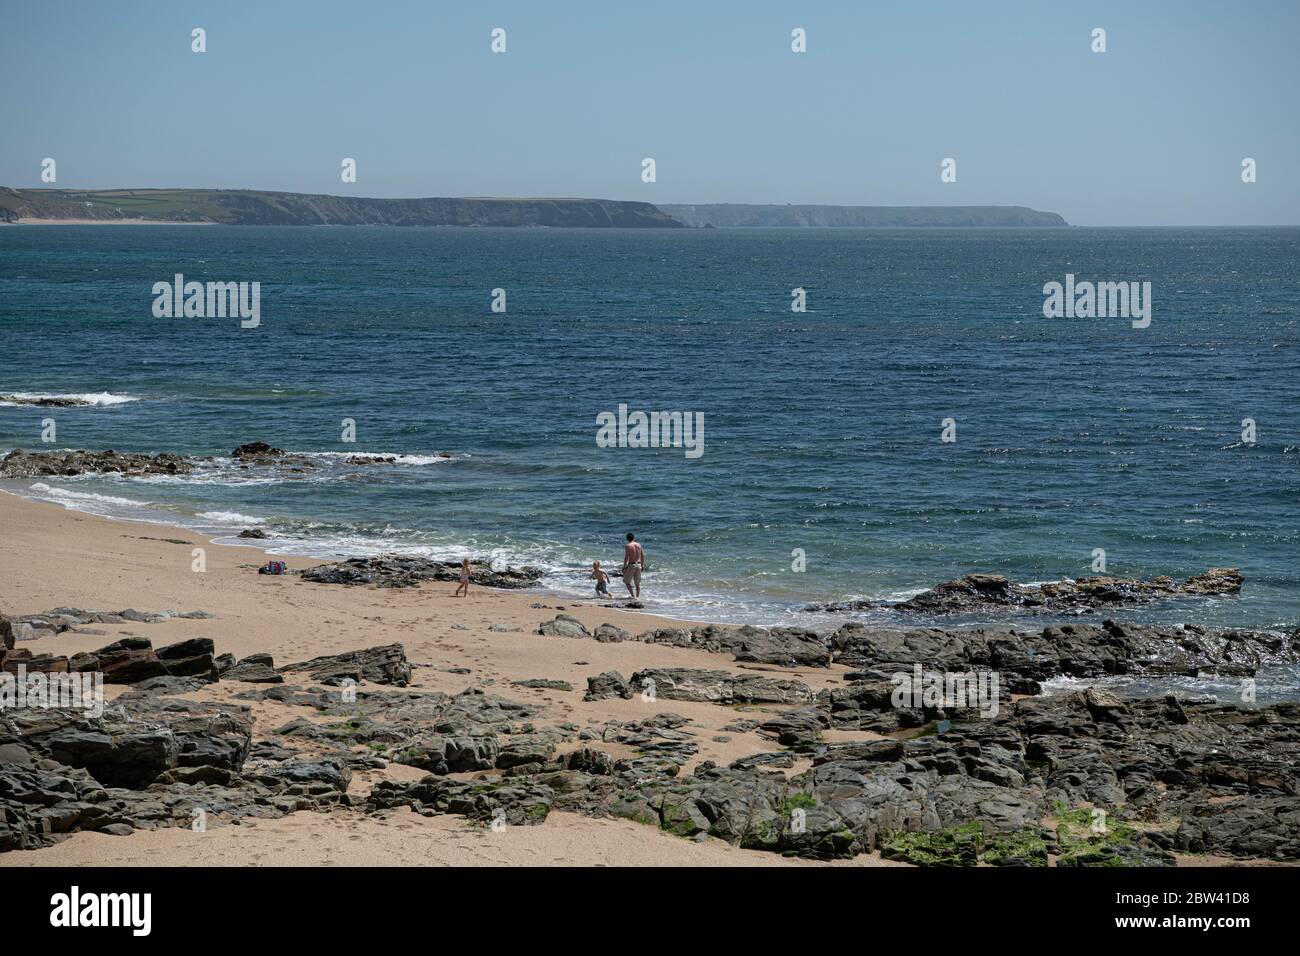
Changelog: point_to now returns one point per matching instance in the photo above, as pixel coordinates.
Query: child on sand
(462, 589)
(602, 580)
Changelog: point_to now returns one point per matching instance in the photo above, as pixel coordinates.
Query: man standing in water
(633, 563)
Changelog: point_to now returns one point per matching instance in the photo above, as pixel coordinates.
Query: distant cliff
(247, 207)
(724, 215)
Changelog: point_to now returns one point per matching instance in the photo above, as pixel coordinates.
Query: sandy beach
(52, 557)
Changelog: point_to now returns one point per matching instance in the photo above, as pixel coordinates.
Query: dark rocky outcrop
(1080, 779)
(253, 669)
(990, 593)
(146, 762)
(31, 627)
(379, 665)
(127, 661)
(53, 464)
(1024, 657)
(784, 646)
(509, 802)
(46, 401)
(257, 449)
(404, 571)
(718, 687)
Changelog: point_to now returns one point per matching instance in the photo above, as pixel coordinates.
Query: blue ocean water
(822, 429)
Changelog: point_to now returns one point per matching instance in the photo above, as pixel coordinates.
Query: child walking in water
(462, 589)
(602, 580)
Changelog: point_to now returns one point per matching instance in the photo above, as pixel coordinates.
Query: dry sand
(51, 557)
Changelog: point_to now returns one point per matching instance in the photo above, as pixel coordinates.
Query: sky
(1151, 132)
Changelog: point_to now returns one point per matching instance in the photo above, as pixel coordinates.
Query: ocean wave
(67, 496)
(378, 457)
(219, 479)
(230, 517)
(100, 399)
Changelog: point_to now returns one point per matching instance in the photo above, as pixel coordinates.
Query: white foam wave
(379, 457)
(66, 496)
(230, 517)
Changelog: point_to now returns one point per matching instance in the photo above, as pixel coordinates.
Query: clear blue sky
(1151, 132)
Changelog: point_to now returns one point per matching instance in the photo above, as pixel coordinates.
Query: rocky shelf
(954, 786)
(993, 593)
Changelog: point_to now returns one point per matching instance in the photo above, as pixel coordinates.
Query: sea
(823, 473)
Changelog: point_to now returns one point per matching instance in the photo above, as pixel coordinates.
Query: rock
(34, 663)
(1252, 827)
(788, 647)
(126, 661)
(46, 401)
(257, 533)
(989, 593)
(610, 634)
(801, 728)
(254, 669)
(1214, 581)
(135, 741)
(513, 803)
(544, 684)
(610, 684)
(564, 625)
(1024, 658)
(590, 761)
(192, 658)
(379, 665)
(41, 464)
(404, 571)
(163, 686)
(779, 759)
(719, 687)
(257, 449)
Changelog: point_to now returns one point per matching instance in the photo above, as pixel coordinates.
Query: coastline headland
(252, 207)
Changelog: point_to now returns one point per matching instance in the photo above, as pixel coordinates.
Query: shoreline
(57, 557)
(308, 557)
(20, 512)
(489, 646)
(957, 604)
